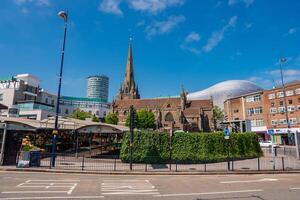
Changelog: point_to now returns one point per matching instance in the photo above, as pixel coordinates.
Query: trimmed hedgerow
(154, 147)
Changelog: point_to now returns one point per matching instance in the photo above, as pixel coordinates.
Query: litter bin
(35, 159)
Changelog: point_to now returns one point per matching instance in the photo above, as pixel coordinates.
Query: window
(258, 110)
(297, 91)
(293, 120)
(253, 98)
(1, 97)
(273, 104)
(273, 110)
(298, 107)
(257, 122)
(281, 109)
(280, 94)
(289, 93)
(66, 111)
(282, 121)
(281, 103)
(290, 101)
(272, 96)
(236, 110)
(274, 122)
(46, 100)
(52, 101)
(291, 108)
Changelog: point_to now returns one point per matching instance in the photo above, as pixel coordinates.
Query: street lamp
(281, 62)
(64, 16)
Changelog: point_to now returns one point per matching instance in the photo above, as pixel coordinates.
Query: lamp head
(63, 15)
(283, 60)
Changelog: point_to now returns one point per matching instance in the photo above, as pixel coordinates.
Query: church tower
(129, 90)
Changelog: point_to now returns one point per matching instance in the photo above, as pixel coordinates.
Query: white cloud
(192, 37)
(153, 6)
(218, 36)
(25, 11)
(287, 72)
(188, 41)
(111, 6)
(36, 2)
(293, 30)
(246, 2)
(140, 23)
(163, 27)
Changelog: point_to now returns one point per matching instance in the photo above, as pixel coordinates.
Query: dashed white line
(252, 181)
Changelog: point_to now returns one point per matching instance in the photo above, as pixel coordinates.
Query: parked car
(268, 143)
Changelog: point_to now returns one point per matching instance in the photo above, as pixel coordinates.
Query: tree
(218, 116)
(143, 119)
(80, 114)
(111, 118)
(95, 119)
(146, 119)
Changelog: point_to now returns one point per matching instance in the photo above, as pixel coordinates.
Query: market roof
(64, 124)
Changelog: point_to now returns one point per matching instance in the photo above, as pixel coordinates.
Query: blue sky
(175, 42)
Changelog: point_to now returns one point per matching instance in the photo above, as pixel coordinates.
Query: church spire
(129, 88)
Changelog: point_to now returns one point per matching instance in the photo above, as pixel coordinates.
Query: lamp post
(283, 60)
(64, 16)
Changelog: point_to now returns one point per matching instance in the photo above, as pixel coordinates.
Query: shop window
(290, 101)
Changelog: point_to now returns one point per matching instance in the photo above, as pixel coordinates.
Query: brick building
(170, 112)
(265, 110)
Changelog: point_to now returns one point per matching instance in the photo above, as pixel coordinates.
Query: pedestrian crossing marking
(128, 187)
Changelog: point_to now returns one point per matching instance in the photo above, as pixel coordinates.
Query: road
(29, 185)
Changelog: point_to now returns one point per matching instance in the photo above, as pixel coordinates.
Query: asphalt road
(29, 185)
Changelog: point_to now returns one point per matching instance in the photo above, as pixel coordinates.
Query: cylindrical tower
(97, 87)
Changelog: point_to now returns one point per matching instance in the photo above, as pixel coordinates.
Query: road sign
(226, 133)
(270, 131)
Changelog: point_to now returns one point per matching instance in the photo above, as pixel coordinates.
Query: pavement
(35, 185)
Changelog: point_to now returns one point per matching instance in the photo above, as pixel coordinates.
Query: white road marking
(295, 188)
(208, 193)
(128, 187)
(44, 186)
(252, 181)
(64, 197)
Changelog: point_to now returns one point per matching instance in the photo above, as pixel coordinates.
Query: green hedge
(154, 147)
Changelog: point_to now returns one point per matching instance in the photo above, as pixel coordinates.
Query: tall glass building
(97, 87)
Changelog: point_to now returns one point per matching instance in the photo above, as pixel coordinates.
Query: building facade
(170, 113)
(25, 98)
(97, 87)
(265, 110)
(94, 106)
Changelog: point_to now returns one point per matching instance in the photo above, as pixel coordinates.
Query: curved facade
(224, 90)
(97, 87)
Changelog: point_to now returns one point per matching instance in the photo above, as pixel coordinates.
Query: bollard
(205, 167)
(115, 164)
(82, 164)
(176, 165)
(282, 160)
(258, 164)
(145, 167)
(232, 165)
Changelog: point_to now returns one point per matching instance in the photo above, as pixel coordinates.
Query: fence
(86, 162)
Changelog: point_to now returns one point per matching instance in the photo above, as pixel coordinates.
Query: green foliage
(95, 119)
(143, 119)
(111, 118)
(80, 114)
(154, 147)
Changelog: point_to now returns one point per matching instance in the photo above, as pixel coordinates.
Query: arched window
(169, 117)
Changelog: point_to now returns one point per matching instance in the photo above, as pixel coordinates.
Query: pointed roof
(129, 75)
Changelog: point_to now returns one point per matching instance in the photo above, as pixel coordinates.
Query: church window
(169, 117)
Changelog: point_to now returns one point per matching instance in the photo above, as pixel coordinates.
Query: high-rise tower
(129, 90)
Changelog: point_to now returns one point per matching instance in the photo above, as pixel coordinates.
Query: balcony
(32, 105)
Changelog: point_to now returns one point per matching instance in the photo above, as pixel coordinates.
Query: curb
(147, 173)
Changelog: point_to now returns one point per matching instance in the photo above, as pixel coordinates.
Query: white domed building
(225, 90)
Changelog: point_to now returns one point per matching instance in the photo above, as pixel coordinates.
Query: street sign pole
(226, 136)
